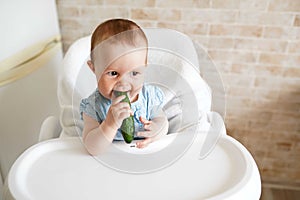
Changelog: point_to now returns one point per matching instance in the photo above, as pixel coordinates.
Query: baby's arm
(97, 137)
(154, 129)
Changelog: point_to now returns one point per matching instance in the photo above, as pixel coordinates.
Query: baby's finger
(122, 113)
(147, 134)
(148, 127)
(119, 116)
(144, 134)
(116, 100)
(121, 105)
(144, 121)
(143, 143)
(131, 113)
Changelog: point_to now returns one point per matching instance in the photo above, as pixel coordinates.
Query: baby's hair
(134, 35)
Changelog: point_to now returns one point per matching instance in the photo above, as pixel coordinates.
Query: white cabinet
(28, 73)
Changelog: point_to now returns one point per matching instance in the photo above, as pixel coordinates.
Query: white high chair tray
(62, 169)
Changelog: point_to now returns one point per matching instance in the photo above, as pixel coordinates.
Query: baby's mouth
(121, 88)
(118, 93)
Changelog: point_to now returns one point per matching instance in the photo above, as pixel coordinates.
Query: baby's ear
(91, 65)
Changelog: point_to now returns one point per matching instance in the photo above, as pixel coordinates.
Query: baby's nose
(122, 85)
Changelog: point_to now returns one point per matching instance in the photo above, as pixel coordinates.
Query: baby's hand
(117, 112)
(154, 130)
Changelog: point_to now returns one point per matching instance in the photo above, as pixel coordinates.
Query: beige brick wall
(256, 47)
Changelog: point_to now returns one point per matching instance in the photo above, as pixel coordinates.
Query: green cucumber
(127, 127)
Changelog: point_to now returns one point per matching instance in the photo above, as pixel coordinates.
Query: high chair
(200, 160)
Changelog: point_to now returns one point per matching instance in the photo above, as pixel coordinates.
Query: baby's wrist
(108, 127)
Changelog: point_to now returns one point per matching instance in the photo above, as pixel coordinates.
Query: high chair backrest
(166, 48)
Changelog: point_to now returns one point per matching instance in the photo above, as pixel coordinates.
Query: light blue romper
(150, 100)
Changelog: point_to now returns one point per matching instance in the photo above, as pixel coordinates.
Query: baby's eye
(112, 73)
(134, 73)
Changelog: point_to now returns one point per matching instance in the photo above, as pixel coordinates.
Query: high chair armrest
(216, 130)
(50, 128)
(217, 122)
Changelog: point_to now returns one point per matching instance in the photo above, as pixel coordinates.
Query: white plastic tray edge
(251, 180)
(39, 149)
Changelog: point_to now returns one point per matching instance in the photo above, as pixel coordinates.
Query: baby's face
(124, 74)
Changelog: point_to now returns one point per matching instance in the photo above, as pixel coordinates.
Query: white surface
(26, 102)
(62, 169)
(24, 105)
(23, 23)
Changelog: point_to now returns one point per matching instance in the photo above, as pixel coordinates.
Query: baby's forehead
(115, 52)
(118, 50)
(126, 67)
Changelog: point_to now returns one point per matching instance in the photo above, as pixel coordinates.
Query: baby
(118, 60)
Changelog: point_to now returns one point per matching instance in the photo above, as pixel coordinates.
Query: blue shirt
(150, 101)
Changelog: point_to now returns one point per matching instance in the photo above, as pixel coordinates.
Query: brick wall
(256, 47)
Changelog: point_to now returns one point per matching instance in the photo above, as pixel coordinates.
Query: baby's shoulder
(96, 98)
(150, 89)
(153, 92)
(92, 97)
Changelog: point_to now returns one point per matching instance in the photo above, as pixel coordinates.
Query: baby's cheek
(105, 88)
(138, 85)
(139, 81)
(134, 94)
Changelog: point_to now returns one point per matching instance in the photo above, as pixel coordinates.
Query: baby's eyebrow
(138, 68)
(110, 70)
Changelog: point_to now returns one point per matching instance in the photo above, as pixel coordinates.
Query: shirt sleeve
(88, 107)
